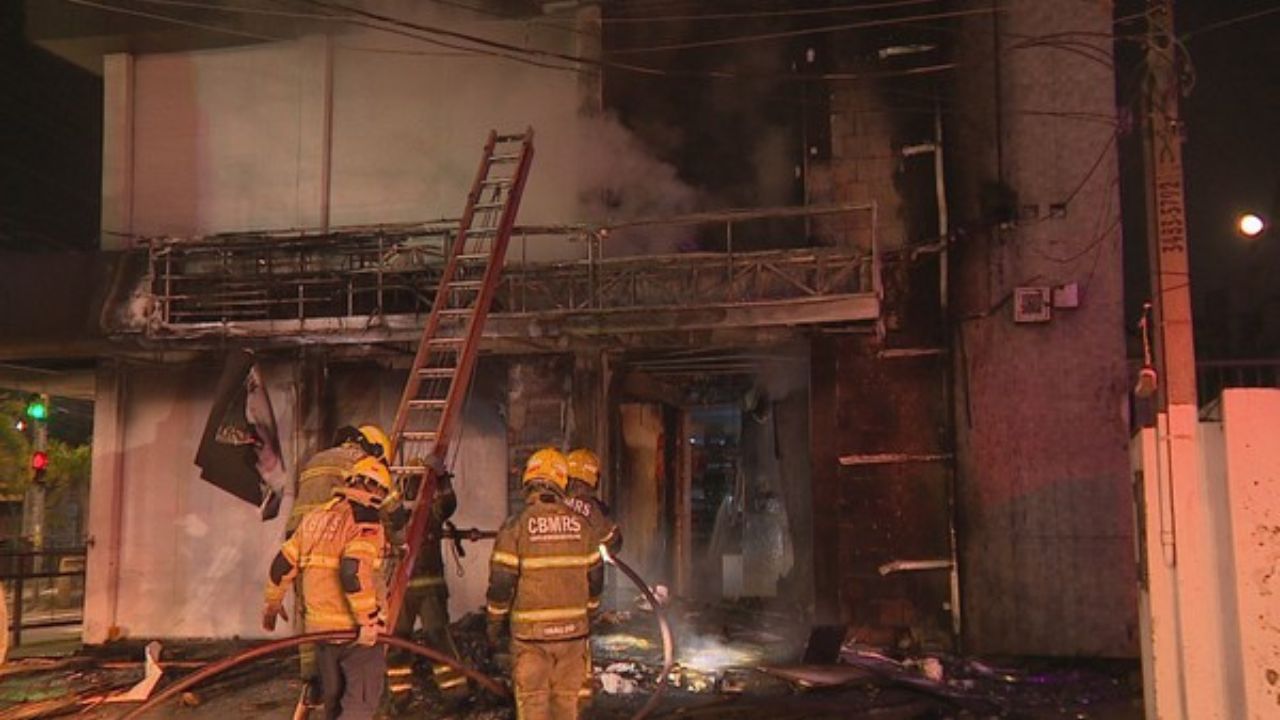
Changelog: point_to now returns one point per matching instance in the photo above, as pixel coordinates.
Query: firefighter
(337, 549)
(580, 494)
(545, 578)
(326, 471)
(427, 600)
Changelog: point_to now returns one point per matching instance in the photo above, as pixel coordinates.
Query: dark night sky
(1232, 165)
(50, 137)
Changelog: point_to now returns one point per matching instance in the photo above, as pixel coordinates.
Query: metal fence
(45, 589)
(1214, 376)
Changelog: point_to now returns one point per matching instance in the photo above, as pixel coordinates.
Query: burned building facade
(830, 400)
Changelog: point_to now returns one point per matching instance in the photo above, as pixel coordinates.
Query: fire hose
(668, 642)
(274, 646)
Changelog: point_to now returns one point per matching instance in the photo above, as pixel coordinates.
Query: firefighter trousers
(430, 606)
(351, 678)
(548, 676)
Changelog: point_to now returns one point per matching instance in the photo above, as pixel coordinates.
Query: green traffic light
(37, 410)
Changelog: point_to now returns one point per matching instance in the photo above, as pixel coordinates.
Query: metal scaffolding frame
(352, 280)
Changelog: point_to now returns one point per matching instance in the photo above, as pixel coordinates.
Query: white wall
(193, 559)
(358, 128)
(1210, 622)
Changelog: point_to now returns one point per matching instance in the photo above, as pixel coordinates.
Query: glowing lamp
(1250, 225)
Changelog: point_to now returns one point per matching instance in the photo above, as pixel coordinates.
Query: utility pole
(34, 501)
(1184, 602)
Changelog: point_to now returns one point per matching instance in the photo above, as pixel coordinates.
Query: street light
(1250, 225)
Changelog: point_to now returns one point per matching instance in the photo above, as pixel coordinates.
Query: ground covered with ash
(731, 662)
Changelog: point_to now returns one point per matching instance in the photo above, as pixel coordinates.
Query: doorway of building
(711, 454)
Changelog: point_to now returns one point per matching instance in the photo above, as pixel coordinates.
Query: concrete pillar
(1043, 493)
(106, 506)
(117, 151)
(315, 128)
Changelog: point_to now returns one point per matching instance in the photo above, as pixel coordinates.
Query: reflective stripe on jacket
(325, 471)
(545, 573)
(338, 549)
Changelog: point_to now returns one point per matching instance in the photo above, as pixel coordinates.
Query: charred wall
(882, 472)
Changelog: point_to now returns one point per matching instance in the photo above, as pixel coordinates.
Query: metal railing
(1214, 376)
(45, 589)
(393, 270)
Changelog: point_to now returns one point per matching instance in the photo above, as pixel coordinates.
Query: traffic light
(38, 407)
(38, 412)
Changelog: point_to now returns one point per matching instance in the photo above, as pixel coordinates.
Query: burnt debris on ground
(734, 660)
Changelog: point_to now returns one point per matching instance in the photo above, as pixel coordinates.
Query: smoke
(784, 371)
(622, 180)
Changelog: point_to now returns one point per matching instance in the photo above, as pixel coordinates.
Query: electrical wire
(1228, 22)
(804, 32)
(172, 20)
(796, 12)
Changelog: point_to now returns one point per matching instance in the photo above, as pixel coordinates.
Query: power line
(804, 32)
(172, 20)
(1229, 22)
(797, 12)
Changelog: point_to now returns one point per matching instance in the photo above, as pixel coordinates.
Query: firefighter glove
(269, 614)
(368, 636)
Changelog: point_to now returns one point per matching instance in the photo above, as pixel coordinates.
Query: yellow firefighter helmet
(374, 437)
(584, 466)
(549, 466)
(369, 482)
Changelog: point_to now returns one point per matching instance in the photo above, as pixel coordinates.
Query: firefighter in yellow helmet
(581, 495)
(545, 578)
(426, 601)
(338, 548)
(326, 471)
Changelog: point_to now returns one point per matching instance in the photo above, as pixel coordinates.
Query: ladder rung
(488, 206)
(455, 312)
(465, 284)
(448, 342)
(408, 469)
(419, 435)
(510, 138)
(427, 405)
(499, 182)
(472, 232)
(506, 158)
(436, 373)
(473, 257)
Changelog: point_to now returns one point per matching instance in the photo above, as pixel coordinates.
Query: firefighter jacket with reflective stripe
(429, 571)
(327, 469)
(597, 515)
(545, 573)
(338, 548)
